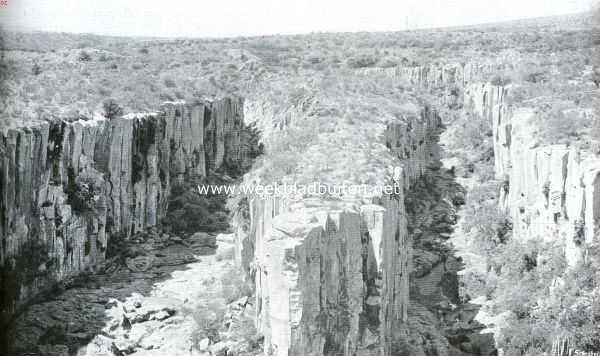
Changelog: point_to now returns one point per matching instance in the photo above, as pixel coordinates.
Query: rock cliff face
(65, 187)
(436, 76)
(551, 191)
(332, 277)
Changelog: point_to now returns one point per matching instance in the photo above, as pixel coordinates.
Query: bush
(36, 69)
(500, 79)
(190, 212)
(111, 109)
(209, 319)
(80, 192)
(575, 304)
(561, 125)
(234, 285)
(526, 281)
(595, 77)
(534, 76)
(170, 83)
(361, 61)
(84, 57)
(210, 316)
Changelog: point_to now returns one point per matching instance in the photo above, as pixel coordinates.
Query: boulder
(203, 344)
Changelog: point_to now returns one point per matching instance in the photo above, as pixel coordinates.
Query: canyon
(67, 187)
(108, 249)
(356, 252)
(330, 276)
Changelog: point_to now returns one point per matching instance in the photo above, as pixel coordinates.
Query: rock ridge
(332, 276)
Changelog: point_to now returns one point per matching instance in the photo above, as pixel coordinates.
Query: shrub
(534, 76)
(561, 124)
(575, 304)
(489, 227)
(36, 69)
(190, 212)
(208, 318)
(170, 83)
(500, 79)
(285, 150)
(111, 109)
(361, 61)
(234, 285)
(595, 77)
(84, 57)
(527, 287)
(475, 133)
(80, 192)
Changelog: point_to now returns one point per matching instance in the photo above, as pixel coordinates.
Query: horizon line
(25, 29)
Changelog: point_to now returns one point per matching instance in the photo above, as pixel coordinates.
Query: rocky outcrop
(551, 191)
(439, 75)
(332, 276)
(65, 187)
(269, 120)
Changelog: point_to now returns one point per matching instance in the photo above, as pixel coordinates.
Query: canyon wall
(66, 187)
(332, 276)
(552, 192)
(439, 76)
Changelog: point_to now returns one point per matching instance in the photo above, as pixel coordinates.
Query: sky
(224, 18)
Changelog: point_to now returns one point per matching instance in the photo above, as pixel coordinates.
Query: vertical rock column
(551, 191)
(332, 277)
(65, 187)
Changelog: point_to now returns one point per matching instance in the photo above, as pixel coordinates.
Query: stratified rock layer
(66, 187)
(332, 277)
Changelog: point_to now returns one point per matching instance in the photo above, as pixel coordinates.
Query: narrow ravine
(154, 303)
(433, 205)
(172, 289)
(166, 270)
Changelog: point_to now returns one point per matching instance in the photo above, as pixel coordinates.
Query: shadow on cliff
(73, 312)
(69, 315)
(438, 312)
(63, 316)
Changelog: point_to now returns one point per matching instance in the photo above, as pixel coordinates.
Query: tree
(111, 109)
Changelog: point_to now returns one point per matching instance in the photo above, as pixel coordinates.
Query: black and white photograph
(299, 178)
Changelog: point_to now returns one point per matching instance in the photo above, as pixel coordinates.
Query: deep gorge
(70, 188)
(343, 276)
(132, 162)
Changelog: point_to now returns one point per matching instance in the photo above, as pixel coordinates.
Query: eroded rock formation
(439, 75)
(332, 277)
(65, 187)
(551, 191)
